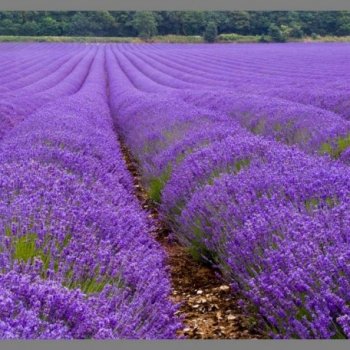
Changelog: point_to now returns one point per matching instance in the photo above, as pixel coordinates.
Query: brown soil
(208, 307)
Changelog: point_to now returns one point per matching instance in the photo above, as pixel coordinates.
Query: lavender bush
(244, 148)
(77, 258)
(250, 178)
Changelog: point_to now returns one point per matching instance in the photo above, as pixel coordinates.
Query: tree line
(277, 24)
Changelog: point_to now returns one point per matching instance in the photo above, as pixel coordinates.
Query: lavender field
(245, 150)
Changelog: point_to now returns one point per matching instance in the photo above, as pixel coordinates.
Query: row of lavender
(272, 70)
(77, 259)
(34, 82)
(272, 218)
(245, 89)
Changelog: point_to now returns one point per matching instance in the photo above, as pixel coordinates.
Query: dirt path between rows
(209, 309)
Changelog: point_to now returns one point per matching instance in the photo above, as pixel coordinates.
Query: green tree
(124, 23)
(237, 22)
(9, 27)
(211, 32)
(29, 28)
(79, 25)
(145, 24)
(49, 26)
(343, 24)
(263, 39)
(276, 34)
(192, 22)
(169, 22)
(296, 31)
(102, 23)
(259, 23)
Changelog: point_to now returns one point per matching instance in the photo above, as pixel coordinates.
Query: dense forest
(147, 24)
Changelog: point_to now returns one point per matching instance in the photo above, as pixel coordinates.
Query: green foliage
(254, 24)
(157, 184)
(259, 127)
(9, 27)
(234, 168)
(240, 164)
(211, 32)
(344, 29)
(337, 147)
(49, 26)
(229, 37)
(192, 22)
(314, 203)
(197, 248)
(69, 39)
(238, 22)
(178, 38)
(145, 24)
(296, 31)
(29, 28)
(95, 284)
(238, 38)
(276, 34)
(25, 247)
(263, 39)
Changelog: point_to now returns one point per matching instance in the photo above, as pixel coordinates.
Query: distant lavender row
(311, 129)
(76, 256)
(313, 74)
(34, 64)
(272, 218)
(76, 253)
(249, 95)
(63, 81)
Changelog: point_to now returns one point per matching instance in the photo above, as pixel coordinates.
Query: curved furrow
(12, 112)
(46, 79)
(37, 61)
(39, 73)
